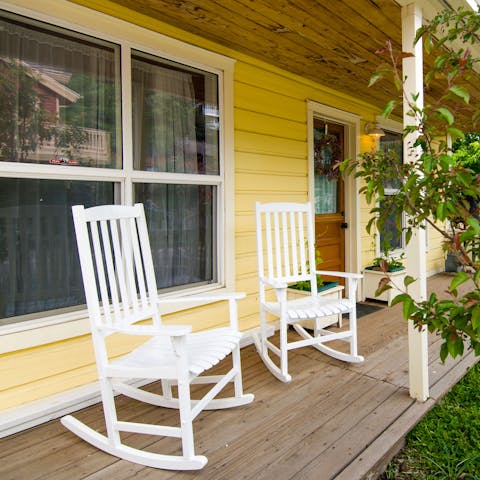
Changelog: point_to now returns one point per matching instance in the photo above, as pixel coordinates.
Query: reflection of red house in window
(54, 94)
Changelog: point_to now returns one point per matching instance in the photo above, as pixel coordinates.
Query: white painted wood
(416, 249)
(286, 251)
(332, 293)
(120, 289)
(371, 279)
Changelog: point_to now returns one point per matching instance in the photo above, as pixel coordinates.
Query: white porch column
(416, 249)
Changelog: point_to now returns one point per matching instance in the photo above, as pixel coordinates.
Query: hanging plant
(327, 156)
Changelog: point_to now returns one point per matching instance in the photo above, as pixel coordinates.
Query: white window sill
(33, 333)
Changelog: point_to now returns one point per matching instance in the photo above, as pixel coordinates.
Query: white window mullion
(127, 137)
(177, 178)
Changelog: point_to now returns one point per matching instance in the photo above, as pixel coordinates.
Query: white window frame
(50, 328)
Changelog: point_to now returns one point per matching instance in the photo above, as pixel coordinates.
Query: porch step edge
(373, 460)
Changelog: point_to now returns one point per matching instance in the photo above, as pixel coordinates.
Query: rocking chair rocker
(121, 290)
(286, 255)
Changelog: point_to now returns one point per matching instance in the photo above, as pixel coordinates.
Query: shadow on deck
(333, 421)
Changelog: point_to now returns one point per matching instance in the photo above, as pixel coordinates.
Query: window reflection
(59, 97)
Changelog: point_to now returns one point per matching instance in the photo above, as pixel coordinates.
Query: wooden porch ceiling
(330, 42)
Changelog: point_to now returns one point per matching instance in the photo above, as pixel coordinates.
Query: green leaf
(455, 133)
(464, 177)
(427, 163)
(476, 276)
(441, 211)
(476, 317)
(461, 92)
(388, 108)
(408, 307)
(408, 235)
(443, 352)
(458, 279)
(454, 345)
(475, 224)
(446, 114)
(375, 78)
(398, 299)
(408, 280)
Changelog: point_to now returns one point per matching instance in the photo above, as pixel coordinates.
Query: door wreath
(327, 156)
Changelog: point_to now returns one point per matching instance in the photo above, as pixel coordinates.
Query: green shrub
(446, 443)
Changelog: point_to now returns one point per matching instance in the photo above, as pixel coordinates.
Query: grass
(446, 443)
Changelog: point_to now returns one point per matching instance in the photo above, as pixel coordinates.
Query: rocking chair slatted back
(283, 242)
(121, 282)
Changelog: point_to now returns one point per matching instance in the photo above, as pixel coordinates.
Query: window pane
(182, 228)
(175, 117)
(39, 267)
(391, 234)
(59, 96)
(392, 142)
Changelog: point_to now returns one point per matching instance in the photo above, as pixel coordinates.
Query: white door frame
(351, 122)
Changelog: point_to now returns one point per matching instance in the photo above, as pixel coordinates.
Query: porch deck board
(316, 427)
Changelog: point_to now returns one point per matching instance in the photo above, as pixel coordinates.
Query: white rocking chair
(120, 289)
(286, 255)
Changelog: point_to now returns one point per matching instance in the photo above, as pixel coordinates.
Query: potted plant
(382, 271)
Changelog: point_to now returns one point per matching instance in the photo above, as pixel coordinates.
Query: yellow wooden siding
(435, 252)
(270, 121)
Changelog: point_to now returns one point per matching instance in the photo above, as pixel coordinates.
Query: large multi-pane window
(63, 141)
(391, 235)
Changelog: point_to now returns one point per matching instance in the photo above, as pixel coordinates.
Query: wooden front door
(329, 195)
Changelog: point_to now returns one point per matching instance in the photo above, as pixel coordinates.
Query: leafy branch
(435, 187)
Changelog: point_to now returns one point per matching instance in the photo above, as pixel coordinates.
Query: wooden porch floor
(333, 421)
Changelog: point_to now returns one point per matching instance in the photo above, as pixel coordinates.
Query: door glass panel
(327, 151)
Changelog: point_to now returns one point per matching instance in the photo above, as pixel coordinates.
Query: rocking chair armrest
(274, 283)
(151, 331)
(340, 274)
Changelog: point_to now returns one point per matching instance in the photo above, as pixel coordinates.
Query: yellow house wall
(270, 134)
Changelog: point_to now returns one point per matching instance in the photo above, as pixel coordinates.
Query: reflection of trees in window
(175, 117)
(391, 237)
(27, 125)
(85, 112)
(62, 91)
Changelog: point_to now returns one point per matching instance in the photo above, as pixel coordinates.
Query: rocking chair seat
(310, 308)
(157, 356)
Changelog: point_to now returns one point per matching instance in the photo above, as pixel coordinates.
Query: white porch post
(416, 249)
